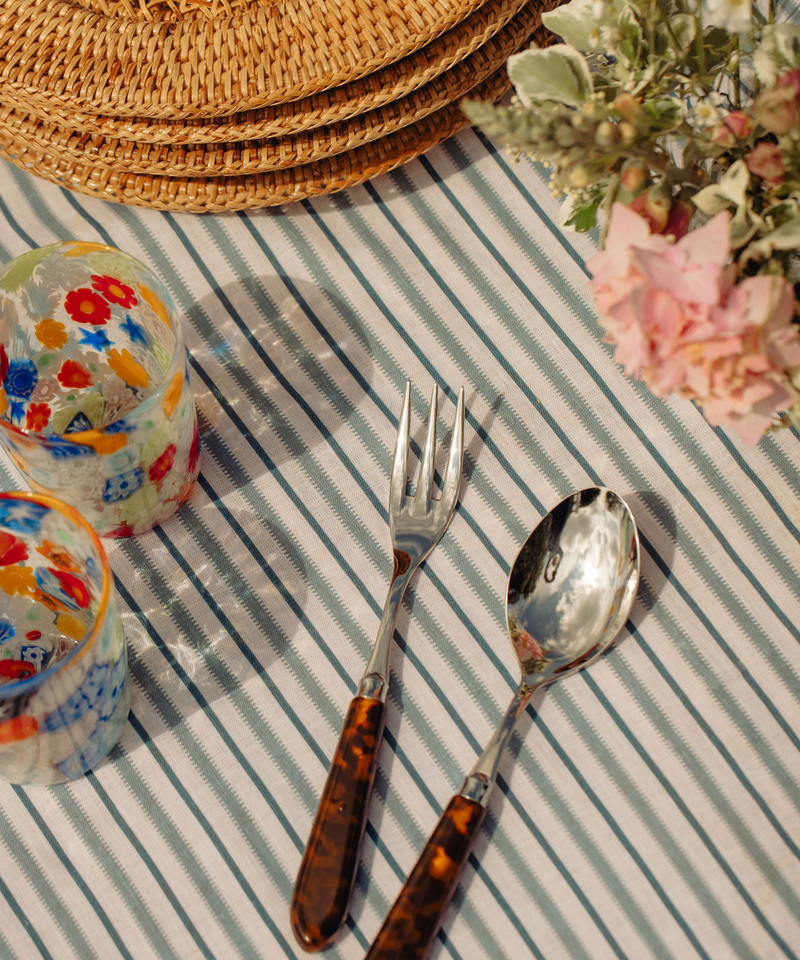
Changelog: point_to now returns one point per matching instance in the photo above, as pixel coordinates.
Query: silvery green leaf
(779, 48)
(731, 188)
(553, 73)
(684, 28)
(743, 227)
(575, 21)
(785, 237)
(787, 43)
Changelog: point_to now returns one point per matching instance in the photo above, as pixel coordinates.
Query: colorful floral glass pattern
(64, 686)
(96, 406)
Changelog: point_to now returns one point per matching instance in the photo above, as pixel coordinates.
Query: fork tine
(452, 478)
(425, 485)
(397, 487)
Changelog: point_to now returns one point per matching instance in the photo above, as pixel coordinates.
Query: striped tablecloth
(649, 806)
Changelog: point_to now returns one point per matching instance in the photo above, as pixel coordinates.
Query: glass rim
(18, 687)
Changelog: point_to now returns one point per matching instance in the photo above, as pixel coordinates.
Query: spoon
(570, 591)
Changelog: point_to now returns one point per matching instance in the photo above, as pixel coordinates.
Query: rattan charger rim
(281, 120)
(57, 54)
(219, 194)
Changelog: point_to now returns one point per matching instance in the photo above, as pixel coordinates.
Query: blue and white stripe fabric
(649, 807)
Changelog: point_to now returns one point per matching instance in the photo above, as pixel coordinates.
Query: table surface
(649, 806)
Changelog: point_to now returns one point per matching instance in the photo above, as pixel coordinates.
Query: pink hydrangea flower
(682, 325)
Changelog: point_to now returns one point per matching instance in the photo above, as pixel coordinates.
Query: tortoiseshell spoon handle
(413, 922)
(329, 865)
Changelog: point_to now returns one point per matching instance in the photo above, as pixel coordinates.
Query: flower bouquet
(675, 124)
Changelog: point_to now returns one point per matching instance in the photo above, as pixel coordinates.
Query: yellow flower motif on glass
(172, 394)
(3, 401)
(18, 580)
(84, 246)
(155, 302)
(127, 369)
(52, 333)
(102, 443)
(71, 626)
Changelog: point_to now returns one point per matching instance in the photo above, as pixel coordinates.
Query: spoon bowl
(572, 585)
(570, 591)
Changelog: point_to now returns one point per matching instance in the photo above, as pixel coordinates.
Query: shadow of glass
(281, 366)
(207, 637)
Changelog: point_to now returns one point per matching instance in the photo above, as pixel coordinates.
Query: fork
(328, 869)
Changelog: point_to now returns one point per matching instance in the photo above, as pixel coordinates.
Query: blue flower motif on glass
(65, 449)
(133, 330)
(21, 379)
(96, 339)
(7, 630)
(93, 571)
(78, 423)
(117, 488)
(81, 701)
(119, 426)
(21, 515)
(33, 654)
(16, 411)
(49, 583)
(113, 691)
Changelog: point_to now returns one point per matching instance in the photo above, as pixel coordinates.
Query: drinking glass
(96, 406)
(64, 687)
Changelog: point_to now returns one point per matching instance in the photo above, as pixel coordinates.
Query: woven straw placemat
(57, 53)
(282, 120)
(216, 194)
(258, 156)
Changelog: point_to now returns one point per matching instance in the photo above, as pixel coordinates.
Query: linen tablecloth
(649, 807)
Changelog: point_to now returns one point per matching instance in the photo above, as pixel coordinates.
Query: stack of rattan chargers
(230, 104)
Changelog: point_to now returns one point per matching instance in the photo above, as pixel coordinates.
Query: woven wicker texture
(56, 53)
(259, 156)
(282, 120)
(214, 194)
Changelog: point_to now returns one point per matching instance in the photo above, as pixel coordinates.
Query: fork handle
(328, 869)
(413, 922)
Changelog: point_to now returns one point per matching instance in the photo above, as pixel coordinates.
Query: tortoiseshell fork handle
(328, 870)
(413, 922)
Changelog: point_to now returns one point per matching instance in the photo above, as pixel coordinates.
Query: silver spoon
(570, 591)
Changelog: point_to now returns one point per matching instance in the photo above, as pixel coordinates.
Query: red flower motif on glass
(3, 363)
(123, 530)
(74, 588)
(194, 451)
(86, 306)
(37, 416)
(12, 549)
(115, 291)
(163, 464)
(72, 374)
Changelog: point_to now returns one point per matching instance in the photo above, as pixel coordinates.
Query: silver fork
(328, 869)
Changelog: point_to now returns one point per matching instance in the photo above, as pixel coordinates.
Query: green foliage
(645, 98)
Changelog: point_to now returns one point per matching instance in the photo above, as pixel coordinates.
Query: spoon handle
(328, 869)
(413, 922)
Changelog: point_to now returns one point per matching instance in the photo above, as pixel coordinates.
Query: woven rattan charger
(153, 61)
(274, 154)
(216, 194)
(332, 106)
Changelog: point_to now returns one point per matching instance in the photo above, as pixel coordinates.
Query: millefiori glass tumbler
(64, 687)
(96, 407)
